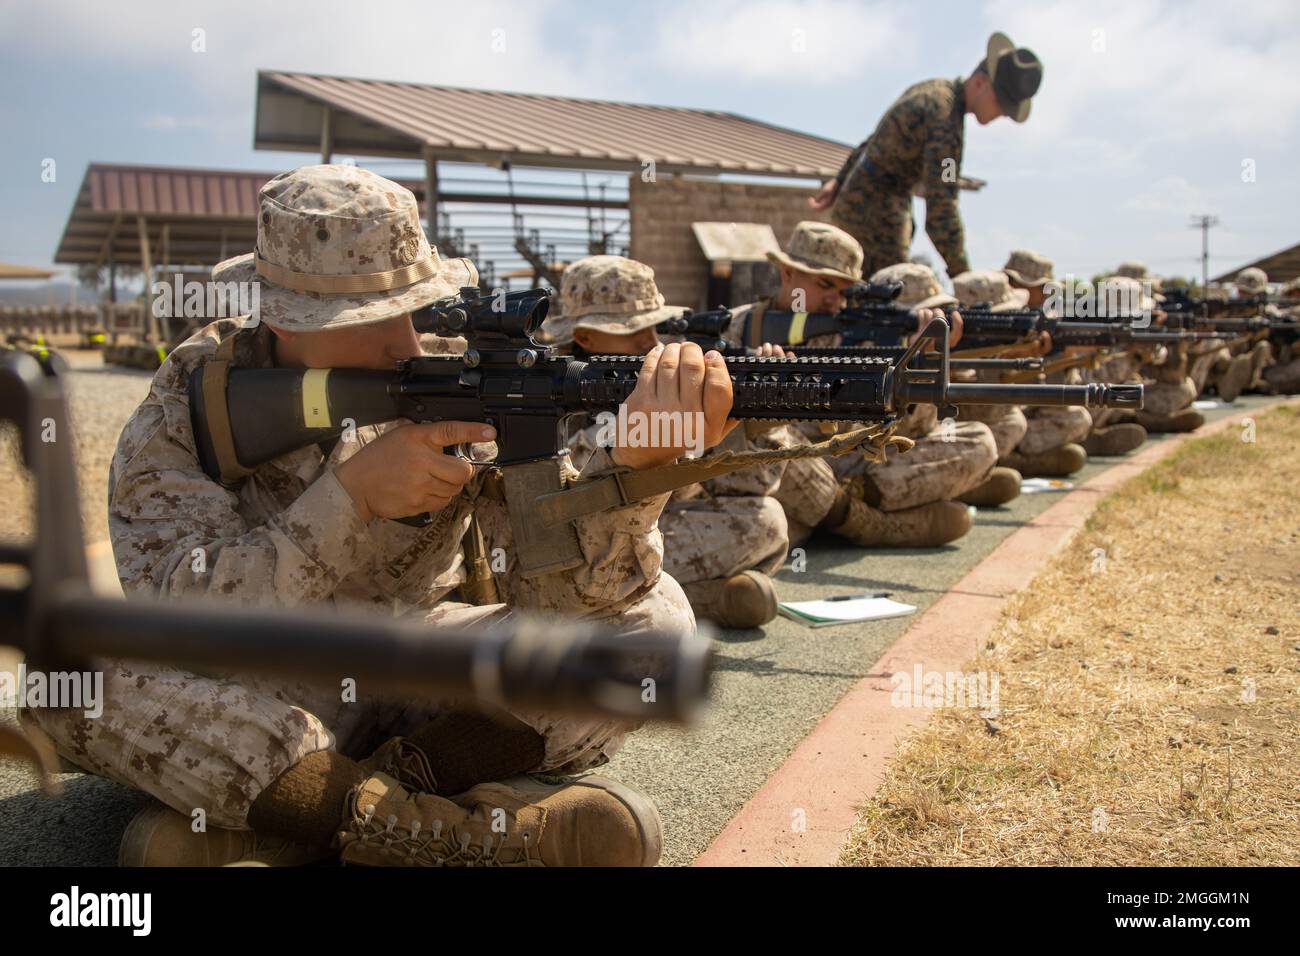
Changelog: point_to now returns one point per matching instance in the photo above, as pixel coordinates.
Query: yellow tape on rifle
(796, 328)
(315, 400)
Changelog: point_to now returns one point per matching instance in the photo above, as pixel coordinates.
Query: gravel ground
(101, 399)
(771, 686)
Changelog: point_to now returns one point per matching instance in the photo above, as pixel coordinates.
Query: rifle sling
(216, 371)
(623, 487)
(755, 324)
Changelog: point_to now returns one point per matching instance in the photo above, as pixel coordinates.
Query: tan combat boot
(593, 821)
(927, 526)
(1053, 463)
(1236, 377)
(159, 836)
(1187, 420)
(1002, 485)
(747, 599)
(1114, 440)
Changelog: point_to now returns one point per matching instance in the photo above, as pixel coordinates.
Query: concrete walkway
(773, 686)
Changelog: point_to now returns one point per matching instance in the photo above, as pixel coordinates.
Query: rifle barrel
(522, 663)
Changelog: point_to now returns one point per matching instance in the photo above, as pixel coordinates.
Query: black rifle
(1179, 300)
(892, 352)
(60, 625)
(525, 392)
(1231, 317)
(872, 316)
(706, 329)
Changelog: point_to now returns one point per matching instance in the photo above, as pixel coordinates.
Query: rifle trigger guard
(464, 452)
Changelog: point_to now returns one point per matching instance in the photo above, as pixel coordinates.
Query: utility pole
(1203, 223)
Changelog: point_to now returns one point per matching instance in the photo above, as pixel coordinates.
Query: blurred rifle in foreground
(51, 615)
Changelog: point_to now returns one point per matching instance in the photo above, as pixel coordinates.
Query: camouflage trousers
(708, 538)
(1206, 368)
(211, 743)
(1165, 398)
(881, 221)
(1051, 427)
(807, 492)
(1261, 357)
(951, 460)
(1007, 423)
(1283, 377)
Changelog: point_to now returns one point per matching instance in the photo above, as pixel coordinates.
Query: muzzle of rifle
(1091, 395)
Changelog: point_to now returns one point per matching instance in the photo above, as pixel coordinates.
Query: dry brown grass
(1125, 690)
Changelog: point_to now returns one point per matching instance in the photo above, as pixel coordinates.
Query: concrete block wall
(661, 214)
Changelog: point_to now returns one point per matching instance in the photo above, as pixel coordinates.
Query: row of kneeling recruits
(289, 773)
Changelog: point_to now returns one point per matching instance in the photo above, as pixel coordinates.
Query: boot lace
(434, 847)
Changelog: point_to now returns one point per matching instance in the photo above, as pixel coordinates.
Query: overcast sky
(1148, 112)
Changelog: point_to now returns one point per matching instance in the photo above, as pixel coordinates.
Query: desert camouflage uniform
(947, 460)
(1169, 388)
(1122, 368)
(289, 535)
(918, 142)
(724, 526)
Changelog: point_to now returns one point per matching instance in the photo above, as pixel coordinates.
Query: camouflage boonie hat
(1138, 270)
(609, 294)
(1028, 268)
(821, 249)
(1128, 297)
(921, 289)
(340, 246)
(1253, 281)
(989, 288)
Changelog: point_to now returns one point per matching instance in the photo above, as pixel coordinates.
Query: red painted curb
(802, 815)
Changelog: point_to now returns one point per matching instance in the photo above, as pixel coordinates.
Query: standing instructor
(918, 143)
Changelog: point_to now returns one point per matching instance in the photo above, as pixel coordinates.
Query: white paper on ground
(1029, 486)
(822, 613)
(1208, 404)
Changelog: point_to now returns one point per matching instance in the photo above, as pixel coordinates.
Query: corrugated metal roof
(1281, 266)
(170, 191)
(372, 117)
(208, 213)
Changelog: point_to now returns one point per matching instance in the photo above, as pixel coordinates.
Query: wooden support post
(326, 135)
(106, 247)
(431, 193)
(150, 323)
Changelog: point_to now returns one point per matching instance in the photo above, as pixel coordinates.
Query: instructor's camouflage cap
(821, 249)
(1252, 281)
(340, 246)
(1027, 268)
(990, 288)
(608, 294)
(921, 289)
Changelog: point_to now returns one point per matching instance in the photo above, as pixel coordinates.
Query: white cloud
(798, 44)
(406, 40)
(1171, 72)
(1171, 194)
